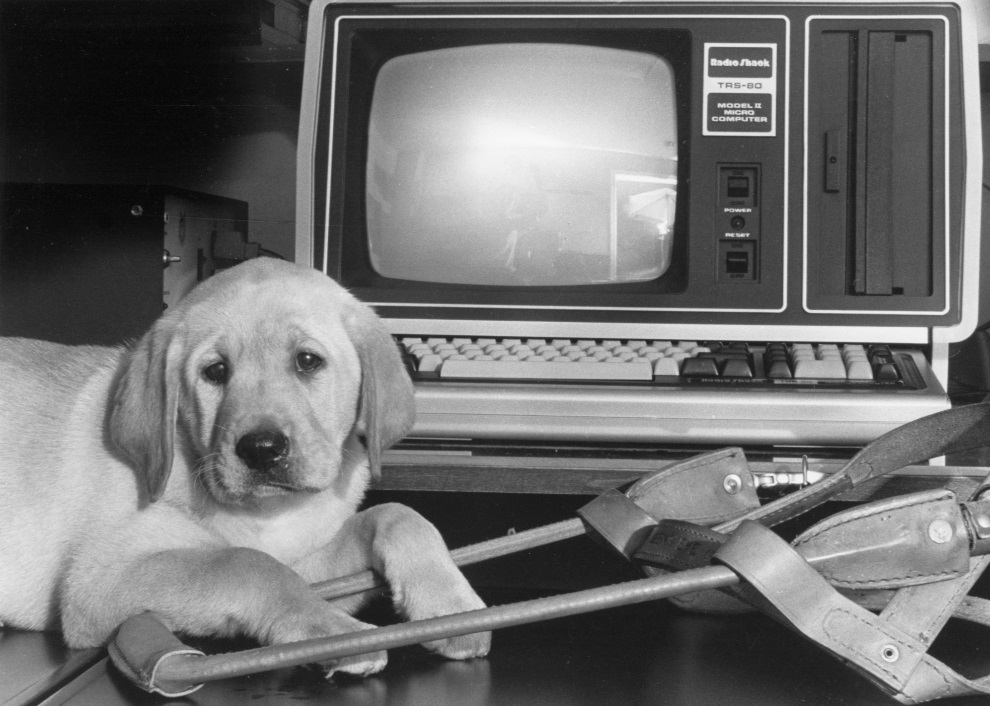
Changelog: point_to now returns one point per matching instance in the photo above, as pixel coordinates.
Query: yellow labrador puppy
(213, 469)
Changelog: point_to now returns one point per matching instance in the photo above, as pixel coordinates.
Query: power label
(740, 85)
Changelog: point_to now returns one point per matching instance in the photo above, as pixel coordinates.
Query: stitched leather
(617, 522)
(695, 489)
(141, 646)
(703, 489)
(677, 546)
(889, 543)
(803, 600)
(877, 646)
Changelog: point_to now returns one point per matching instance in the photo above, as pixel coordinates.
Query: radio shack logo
(740, 62)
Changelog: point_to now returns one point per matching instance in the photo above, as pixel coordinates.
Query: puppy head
(261, 375)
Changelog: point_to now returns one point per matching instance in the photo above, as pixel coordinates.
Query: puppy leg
(407, 550)
(199, 586)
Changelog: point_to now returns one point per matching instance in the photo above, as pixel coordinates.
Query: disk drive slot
(874, 139)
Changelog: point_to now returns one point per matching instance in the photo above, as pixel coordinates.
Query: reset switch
(737, 263)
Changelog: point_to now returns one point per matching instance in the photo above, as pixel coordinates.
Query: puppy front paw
(329, 622)
(421, 601)
(356, 666)
(464, 647)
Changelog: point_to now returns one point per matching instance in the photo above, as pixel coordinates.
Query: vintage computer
(651, 223)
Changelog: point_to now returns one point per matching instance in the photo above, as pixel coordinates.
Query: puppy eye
(308, 362)
(216, 373)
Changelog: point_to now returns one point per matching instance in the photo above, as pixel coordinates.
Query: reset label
(740, 84)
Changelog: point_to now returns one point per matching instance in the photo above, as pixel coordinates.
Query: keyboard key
(736, 368)
(777, 370)
(885, 372)
(666, 367)
(699, 367)
(429, 363)
(857, 365)
(819, 369)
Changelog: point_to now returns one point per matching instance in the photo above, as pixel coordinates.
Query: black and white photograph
(494, 352)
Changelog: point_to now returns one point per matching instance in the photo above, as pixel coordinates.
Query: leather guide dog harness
(872, 586)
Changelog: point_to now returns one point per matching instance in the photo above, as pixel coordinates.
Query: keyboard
(666, 392)
(658, 362)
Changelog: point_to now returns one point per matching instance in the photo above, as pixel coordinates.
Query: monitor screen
(521, 165)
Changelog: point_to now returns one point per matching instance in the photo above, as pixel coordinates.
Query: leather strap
(141, 648)
(804, 601)
(877, 646)
(618, 522)
(905, 541)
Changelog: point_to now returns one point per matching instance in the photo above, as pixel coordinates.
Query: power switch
(738, 187)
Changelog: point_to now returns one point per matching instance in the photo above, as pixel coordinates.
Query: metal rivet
(732, 484)
(137, 210)
(890, 653)
(983, 521)
(940, 531)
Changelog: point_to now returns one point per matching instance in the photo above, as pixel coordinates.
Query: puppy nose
(263, 450)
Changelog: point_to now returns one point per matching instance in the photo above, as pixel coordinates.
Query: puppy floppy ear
(145, 404)
(387, 408)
